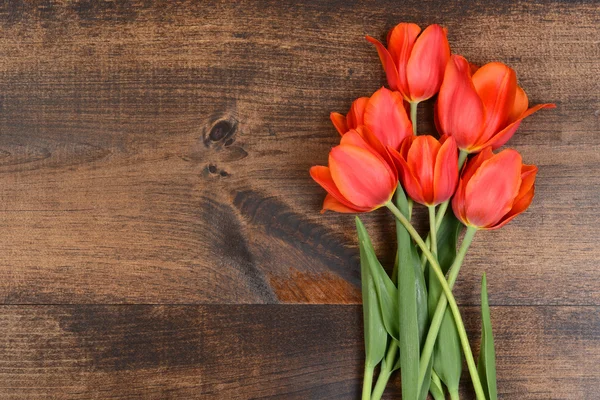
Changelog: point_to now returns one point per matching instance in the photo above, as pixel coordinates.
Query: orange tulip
(383, 114)
(493, 189)
(358, 179)
(484, 109)
(428, 169)
(414, 64)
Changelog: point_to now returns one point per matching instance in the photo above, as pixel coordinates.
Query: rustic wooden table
(160, 233)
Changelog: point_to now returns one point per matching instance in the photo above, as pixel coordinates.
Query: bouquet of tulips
(411, 319)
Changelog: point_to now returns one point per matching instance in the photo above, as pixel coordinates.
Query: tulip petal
(500, 139)
(445, 175)
(354, 138)
(401, 40)
(496, 85)
(474, 163)
(330, 203)
(362, 177)
(490, 192)
(522, 201)
(322, 175)
(390, 68)
(458, 202)
(409, 181)
(525, 196)
(469, 169)
(459, 110)
(421, 161)
(377, 147)
(339, 121)
(386, 117)
(528, 174)
(427, 62)
(520, 105)
(355, 117)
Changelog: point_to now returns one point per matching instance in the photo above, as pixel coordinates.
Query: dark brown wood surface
(160, 234)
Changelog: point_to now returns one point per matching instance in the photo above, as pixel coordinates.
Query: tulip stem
(413, 115)
(462, 333)
(462, 157)
(433, 227)
(386, 371)
(367, 382)
(438, 315)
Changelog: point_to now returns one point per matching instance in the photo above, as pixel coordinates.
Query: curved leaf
(387, 294)
(487, 355)
(375, 333)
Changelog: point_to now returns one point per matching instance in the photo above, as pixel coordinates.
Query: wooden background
(160, 235)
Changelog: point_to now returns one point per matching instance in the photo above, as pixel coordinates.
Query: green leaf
(387, 293)
(447, 353)
(375, 333)
(436, 388)
(447, 240)
(410, 296)
(421, 289)
(487, 355)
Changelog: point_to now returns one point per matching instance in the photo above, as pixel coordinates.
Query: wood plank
(157, 152)
(264, 351)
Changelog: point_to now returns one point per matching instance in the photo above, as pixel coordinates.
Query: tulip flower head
(428, 169)
(383, 114)
(414, 64)
(358, 178)
(493, 189)
(481, 110)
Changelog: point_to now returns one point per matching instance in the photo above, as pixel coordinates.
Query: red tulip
(414, 64)
(383, 114)
(493, 189)
(358, 178)
(481, 110)
(428, 169)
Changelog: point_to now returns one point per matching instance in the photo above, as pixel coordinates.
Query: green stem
(433, 227)
(454, 395)
(386, 371)
(462, 157)
(413, 115)
(436, 320)
(462, 333)
(367, 382)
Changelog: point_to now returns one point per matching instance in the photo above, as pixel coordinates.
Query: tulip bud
(358, 179)
(383, 114)
(481, 110)
(493, 189)
(427, 168)
(414, 64)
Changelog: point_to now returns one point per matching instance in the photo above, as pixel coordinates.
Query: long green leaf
(487, 355)
(408, 273)
(375, 333)
(387, 293)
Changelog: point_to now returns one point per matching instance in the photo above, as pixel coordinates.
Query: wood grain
(156, 205)
(158, 152)
(264, 351)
